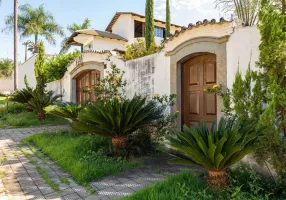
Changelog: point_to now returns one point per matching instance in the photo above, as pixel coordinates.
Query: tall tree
(72, 28)
(34, 22)
(149, 24)
(40, 71)
(6, 68)
(168, 19)
(15, 26)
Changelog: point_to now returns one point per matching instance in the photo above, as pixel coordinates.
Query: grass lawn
(81, 155)
(27, 119)
(182, 187)
(17, 116)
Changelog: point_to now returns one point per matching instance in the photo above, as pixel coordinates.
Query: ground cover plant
(246, 184)
(81, 155)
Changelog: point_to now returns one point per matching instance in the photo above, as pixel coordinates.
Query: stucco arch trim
(191, 48)
(90, 65)
(182, 45)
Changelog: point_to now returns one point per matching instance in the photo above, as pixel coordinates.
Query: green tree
(40, 71)
(6, 68)
(56, 67)
(34, 22)
(73, 28)
(149, 24)
(168, 19)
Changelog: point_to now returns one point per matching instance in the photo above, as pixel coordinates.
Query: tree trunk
(15, 44)
(218, 179)
(41, 115)
(119, 144)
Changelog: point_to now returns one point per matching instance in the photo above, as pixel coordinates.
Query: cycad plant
(41, 100)
(117, 119)
(66, 110)
(215, 150)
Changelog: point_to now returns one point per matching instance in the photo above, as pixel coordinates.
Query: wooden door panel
(198, 73)
(210, 72)
(194, 74)
(87, 81)
(194, 107)
(209, 104)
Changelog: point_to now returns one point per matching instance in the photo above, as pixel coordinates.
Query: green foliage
(56, 66)
(6, 68)
(272, 62)
(26, 82)
(22, 96)
(39, 101)
(118, 118)
(217, 149)
(34, 22)
(39, 70)
(149, 24)
(66, 110)
(112, 86)
(168, 19)
(245, 10)
(138, 49)
(73, 28)
(80, 155)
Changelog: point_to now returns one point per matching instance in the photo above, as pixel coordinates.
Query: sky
(100, 12)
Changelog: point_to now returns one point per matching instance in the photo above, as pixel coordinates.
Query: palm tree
(15, 24)
(73, 28)
(246, 10)
(34, 22)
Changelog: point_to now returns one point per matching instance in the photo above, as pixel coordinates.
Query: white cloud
(184, 12)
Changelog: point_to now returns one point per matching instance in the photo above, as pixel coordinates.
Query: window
(138, 29)
(159, 32)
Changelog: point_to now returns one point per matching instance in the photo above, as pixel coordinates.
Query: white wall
(107, 44)
(148, 75)
(124, 27)
(28, 69)
(6, 85)
(242, 47)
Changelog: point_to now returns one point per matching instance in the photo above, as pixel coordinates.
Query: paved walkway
(19, 179)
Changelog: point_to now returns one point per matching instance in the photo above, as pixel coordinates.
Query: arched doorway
(198, 73)
(86, 81)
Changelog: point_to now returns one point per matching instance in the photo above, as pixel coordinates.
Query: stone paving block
(73, 196)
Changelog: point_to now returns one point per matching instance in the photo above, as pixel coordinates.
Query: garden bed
(81, 155)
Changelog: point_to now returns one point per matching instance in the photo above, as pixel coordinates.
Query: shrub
(118, 118)
(215, 150)
(22, 96)
(39, 101)
(66, 110)
(6, 68)
(138, 49)
(56, 67)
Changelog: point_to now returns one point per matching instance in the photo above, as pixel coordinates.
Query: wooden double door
(199, 73)
(86, 82)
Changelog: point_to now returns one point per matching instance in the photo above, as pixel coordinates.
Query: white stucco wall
(242, 47)
(6, 85)
(124, 27)
(107, 44)
(28, 69)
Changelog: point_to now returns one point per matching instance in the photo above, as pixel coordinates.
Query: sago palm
(73, 28)
(117, 119)
(41, 100)
(215, 150)
(34, 22)
(66, 110)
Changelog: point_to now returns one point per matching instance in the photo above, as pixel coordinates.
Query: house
(194, 57)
